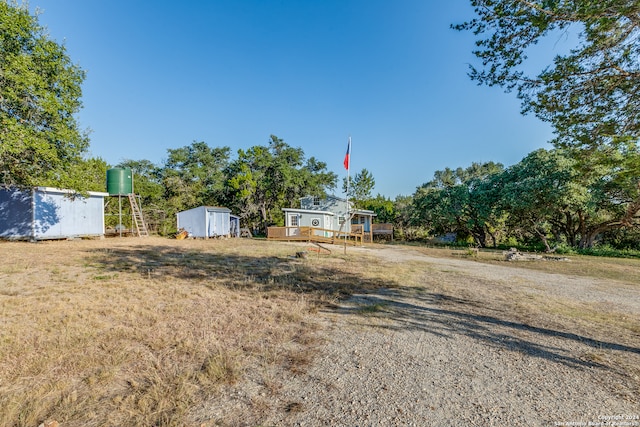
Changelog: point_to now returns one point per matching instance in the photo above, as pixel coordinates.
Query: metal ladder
(141, 227)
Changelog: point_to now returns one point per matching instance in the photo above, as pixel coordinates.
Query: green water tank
(119, 181)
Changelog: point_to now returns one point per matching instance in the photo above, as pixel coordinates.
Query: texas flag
(346, 157)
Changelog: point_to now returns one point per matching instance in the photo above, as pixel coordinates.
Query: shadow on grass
(448, 316)
(237, 272)
(432, 313)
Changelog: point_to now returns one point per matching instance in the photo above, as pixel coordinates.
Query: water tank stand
(138, 219)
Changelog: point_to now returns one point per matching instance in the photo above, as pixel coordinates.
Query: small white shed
(209, 221)
(41, 213)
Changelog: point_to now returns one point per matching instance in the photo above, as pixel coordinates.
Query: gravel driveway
(421, 357)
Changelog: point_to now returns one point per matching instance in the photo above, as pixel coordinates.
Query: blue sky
(390, 74)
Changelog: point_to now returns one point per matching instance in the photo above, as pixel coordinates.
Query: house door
(328, 225)
(293, 222)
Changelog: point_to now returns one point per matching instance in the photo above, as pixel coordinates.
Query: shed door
(213, 224)
(224, 226)
(234, 227)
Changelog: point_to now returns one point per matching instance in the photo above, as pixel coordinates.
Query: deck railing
(313, 234)
(382, 229)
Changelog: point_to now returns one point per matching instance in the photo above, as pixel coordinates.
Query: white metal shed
(41, 213)
(209, 221)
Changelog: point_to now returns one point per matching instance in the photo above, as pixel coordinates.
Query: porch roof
(364, 212)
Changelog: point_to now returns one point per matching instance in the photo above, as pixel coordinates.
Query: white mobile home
(42, 213)
(209, 221)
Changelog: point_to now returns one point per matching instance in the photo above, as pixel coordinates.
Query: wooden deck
(313, 234)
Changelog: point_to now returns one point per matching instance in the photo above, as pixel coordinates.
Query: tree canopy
(265, 179)
(193, 175)
(359, 187)
(40, 90)
(591, 95)
(256, 184)
(460, 201)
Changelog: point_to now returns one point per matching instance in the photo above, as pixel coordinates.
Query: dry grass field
(143, 332)
(140, 332)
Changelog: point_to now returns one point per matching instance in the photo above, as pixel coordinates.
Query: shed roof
(210, 209)
(217, 209)
(65, 191)
(312, 211)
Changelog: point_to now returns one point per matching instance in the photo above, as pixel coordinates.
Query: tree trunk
(547, 248)
(570, 231)
(587, 239)
(263, 217)
(543, 236)
(480, 237)
(493, 239)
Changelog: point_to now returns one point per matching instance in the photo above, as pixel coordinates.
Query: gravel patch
(441, 369)
(416, 357)
(585, 289)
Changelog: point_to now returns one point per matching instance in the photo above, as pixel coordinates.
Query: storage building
(42, 213)
(209, 221)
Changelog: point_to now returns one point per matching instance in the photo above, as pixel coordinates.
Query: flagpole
(348, 218)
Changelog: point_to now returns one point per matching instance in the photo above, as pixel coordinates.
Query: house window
(358, 220)
(341, 220)
(294, 221)
(316, 201)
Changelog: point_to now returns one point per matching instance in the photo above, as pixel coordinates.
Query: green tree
(591, 95)
(40, 141)
(611, 178)
(462, 201)
(359, 187)
(87, 175)
(265, 179)
(541, 193)
(147, 179)
(441, 209)
(408, 224)
(316, 178)
(383, 207)
(553, 194)
(194, 175)
(246, 193)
